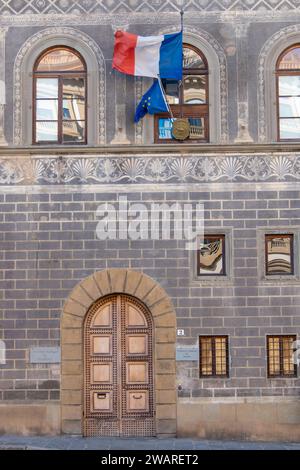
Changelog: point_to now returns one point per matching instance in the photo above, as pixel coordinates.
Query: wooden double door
(118, 369)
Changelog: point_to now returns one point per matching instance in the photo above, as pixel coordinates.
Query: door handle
(101, 396)
(137, 398)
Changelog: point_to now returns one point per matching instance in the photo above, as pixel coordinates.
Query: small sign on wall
(45, 355)
(187, 353)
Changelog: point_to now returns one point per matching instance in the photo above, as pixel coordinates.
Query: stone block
(102, 281)
(91, 287)
(117, 279)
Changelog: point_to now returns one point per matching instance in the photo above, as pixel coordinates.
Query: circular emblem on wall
(181, 129)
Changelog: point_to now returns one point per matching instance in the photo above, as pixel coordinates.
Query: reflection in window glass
(74, 109)
(280, 356)
(60, 60)
(165, 128)
(46, 88)
(192, 60)
(46, 131)
(211, 256)
(60, 97)
(194, 89)
(289, 85)
(46, 110)
(73, 88)
(73, 131)
(197, 128)
(288, 79)
(289, 106)
(279, 253)
(188, 99)
(290, 60)
(289, 128)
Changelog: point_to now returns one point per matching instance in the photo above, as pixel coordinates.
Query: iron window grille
(280, 356)
(214, 356)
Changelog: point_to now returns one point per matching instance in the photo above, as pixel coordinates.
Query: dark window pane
(287, 355)
(289, 128)
(194, 89)
(60, 60)
(206, 356)
(211, 256)
(192, 60)
(221, 363)
(46, 131)
(213, 356)
(279, 255)
(73, 131)
(46, 110)
(73, 88)
(291, 60)
(47, 88)
(280, 356)
(172, 91)
(274, 356)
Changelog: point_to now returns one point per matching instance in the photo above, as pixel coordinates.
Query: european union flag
(153, 102)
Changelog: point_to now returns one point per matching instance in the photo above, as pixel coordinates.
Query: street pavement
(96, 443)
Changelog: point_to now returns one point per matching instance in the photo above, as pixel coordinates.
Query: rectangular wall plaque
(45, 355)
(187, 353)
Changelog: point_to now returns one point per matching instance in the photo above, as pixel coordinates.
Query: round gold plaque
(181, 129)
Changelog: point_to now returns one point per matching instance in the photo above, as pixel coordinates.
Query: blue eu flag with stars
(153, 102)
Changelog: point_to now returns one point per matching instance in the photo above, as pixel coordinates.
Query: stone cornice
(154, 149)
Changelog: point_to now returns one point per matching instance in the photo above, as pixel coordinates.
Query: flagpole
(180, 83)
(159, 79)
(181, 18)
(164, 95)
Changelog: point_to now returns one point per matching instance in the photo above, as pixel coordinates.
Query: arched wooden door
(118, 369)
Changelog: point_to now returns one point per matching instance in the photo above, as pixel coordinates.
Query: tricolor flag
(148, 56)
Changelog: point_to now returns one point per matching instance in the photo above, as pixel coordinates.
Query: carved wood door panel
(118, 369)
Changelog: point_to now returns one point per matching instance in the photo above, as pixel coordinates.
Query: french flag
(148, 56)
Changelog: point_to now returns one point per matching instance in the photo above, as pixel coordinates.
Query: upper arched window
(288, 93)
(59, 111)
(187, 98)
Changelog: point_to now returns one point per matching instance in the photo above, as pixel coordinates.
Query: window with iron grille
(280, 356)
(279, 254)
(211, 256)
(214, 356)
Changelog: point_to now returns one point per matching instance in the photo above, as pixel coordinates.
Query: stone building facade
(54, 268)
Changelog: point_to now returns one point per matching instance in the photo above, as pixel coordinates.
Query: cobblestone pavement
(92, 443)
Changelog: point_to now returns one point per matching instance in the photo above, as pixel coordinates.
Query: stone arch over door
(154, 297)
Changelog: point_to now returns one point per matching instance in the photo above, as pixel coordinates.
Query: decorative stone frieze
(153, 168)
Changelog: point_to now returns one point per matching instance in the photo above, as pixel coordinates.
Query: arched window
(288, 93)
(187, 98)
(59, 110)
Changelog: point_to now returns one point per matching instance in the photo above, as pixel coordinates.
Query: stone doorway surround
(83, 296)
